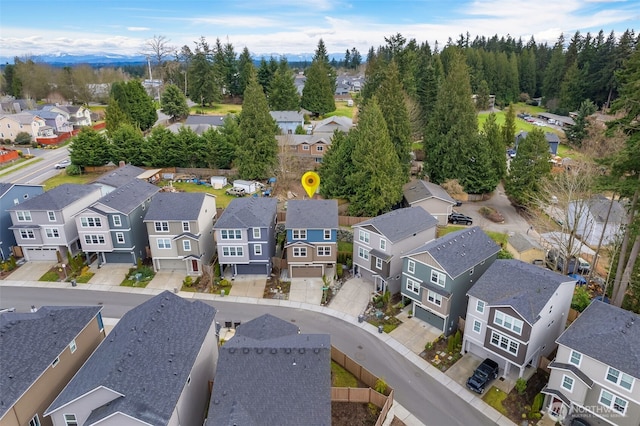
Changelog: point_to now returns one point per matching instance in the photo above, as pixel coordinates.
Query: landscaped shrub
(73, 170)
(451, 344)
(581, 298)
(381, 386)
(458, 339)
(339, 270)
(188, 281)
(537, 403)
(521, 385)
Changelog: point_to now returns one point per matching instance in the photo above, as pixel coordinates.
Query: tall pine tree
(528, 168)
(283, 94)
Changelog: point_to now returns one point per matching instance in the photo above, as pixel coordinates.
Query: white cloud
(136, 29)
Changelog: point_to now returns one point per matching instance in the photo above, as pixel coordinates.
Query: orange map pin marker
(310, 183)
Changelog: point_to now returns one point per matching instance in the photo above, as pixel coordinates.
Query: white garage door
(171, 265)
(34, 254)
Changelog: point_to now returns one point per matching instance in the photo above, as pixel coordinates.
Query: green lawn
(494, 398)
(217, 109)
(342, 110)
(341, 378)
(222, 199)
(345, 246)
(520, 123)
(63, 177)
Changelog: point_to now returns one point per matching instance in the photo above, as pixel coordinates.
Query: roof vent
(274, 351)
(287, 350)
(301, 350)
(245, 350)
(232, 350)
(259, 350)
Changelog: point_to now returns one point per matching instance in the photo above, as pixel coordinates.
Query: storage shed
(248, 186)
(218, 182)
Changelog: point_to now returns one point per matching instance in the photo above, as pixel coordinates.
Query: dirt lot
(353, 414)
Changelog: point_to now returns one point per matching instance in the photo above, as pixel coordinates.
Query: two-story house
(12, 194)
(312, 237)
(595, 370)
(437, 275)
(245, 235)
(44, 226)
(12, 124)
(309, 149)
(515, 313)
(78, 115)
(268, 354)
(288, 121)
(379, 243)
(113, 226)
(333, 123)
(115, 178)
(431, 197)
(596, 218)
(39, 354)
(154, 368)
(56, 119)
(180, 229)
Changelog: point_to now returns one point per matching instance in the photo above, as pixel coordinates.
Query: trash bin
(73, 283)
(360, 318)
(222, 293)
(380, 329)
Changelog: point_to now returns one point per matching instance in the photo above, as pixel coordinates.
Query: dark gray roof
(6, 186)
(120, 176)
(415, 191)
(402, 223)
(30, 342)
(268, 374)
(521, 242)
(129, 196)
(287, 115)
(312, 214)
(548, 391)
(248, 212)
(524, 287)
(459, 251)
(211, 120)
(598, 206)
(147, 357)
(575, 370)
(57, 198)
(175, 206)
(608, 334)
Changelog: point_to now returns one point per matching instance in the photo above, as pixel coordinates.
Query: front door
(194, 265)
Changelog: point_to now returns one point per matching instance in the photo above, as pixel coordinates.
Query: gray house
(113, 228)
(117, 177)
(596, 367)
(153, 368)
(288, 121)
(516, 311)
(44, 226)
(269, 374)
(552, 139)
(245, 235)
(438, 275)
(12, 194)
(431, 197)
(595, 220)
(379, 243)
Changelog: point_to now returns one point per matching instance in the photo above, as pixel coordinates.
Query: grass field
(520, 123)
(222, 199)
(494, 398)
(217, 109)
(63, 177)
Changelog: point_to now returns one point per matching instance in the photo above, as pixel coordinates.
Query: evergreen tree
(377, 178)
(572, 90)
(223, 143)
(529, 168)
(509, 127)
(483, 97)
(174, 102)
(554, 72)
(245, 67)
(257, 153)
(347, 59)
(356, 59)
(114, 116)
(283, 94)
(266, 71)
(527, 71)
(89, 148)
(491, 132)
(195, 148)
(579, 131)
(127, 144)
(203, 83)
(482, 177)
(232, 82)
(319, 89)
(134, 102)
(336, 166)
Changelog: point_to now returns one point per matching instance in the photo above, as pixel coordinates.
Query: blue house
(245, 235)
(12, 194)
(438, 275)
(552, 139)
(288, 121)
(312, 237)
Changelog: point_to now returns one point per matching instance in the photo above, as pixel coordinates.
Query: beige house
(524, 248)
(40, 352)
(12, 124)
(431, 197)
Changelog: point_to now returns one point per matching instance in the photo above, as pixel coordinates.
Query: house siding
(15, 193)
(438, 208)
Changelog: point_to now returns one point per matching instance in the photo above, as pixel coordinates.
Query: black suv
(485, 373)
(456, 218)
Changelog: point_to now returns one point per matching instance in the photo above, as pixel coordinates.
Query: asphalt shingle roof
(57, 198)
(287, 115)
(521, 242)
(608, 334)
(129, 196)
(248, 212)
(402, 223)
(30, 342)
(268, 374)
(175, 206)
(5, 187)
(312, 214)
(459, 251)
(525, 287)
(415, 191)
(120, 176)
(210, 120)
(599, 206)
(147, 357)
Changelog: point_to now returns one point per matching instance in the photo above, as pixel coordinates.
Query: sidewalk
(397, 410)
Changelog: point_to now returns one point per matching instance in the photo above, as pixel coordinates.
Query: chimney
(121, 163)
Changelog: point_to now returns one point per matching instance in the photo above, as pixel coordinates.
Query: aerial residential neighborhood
(465, 251)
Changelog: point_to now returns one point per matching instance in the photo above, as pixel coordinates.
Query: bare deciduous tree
(158, 48)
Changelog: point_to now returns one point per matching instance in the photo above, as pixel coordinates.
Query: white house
(593, 221)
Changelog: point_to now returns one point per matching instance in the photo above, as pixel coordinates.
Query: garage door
(35, 254)
(260, 269)
(171, 265)
(306, 272)
(118, 257)
(429, 317)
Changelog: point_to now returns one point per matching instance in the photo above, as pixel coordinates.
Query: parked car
(483, 375)
(238, 192)
(456, 218)
(458, 202)
(63, 164)
(584, 267)
(576, 421)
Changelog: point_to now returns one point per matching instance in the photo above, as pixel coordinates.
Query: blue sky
(33, 27)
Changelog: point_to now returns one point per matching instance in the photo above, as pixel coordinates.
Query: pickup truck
(484, 374)
(238, 192)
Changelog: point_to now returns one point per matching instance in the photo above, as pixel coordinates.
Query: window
(164, 243)
(23, 216)
(438, 278)
(299, 252)
(73, 346)
(378, 263)
(117, 221)
(52, 216)
(27, 234)
(327, 234)
(55, 362)
(324, 251)
(94, 239)
(567, 383)
(319, 148)
(619, 378)
(256, 233)
(231, 234)
(70, 420)
(52, 233)
(186, 227)
(471, 271)
(100, 322)
(364, 236)
(434, 298)
(504, 343)
(508, 322)
(480, 306)
(232, 251)
(305, 147)
(120, 237)
(610, 400)
(299, 234)
(35, 421)
(575, 358)
(411, 267)
(363, 254)
(257, 249)
(90, 222)
(186, 245)
(413, 286)
(161, 226)
(477, 326)
(383, 245)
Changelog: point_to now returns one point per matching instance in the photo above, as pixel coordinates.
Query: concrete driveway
(464, 368)
(413, 332)
(111, 274)
(353, 297)
(167, 280)
(31, 271)
(308, 290)
(248, 286)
